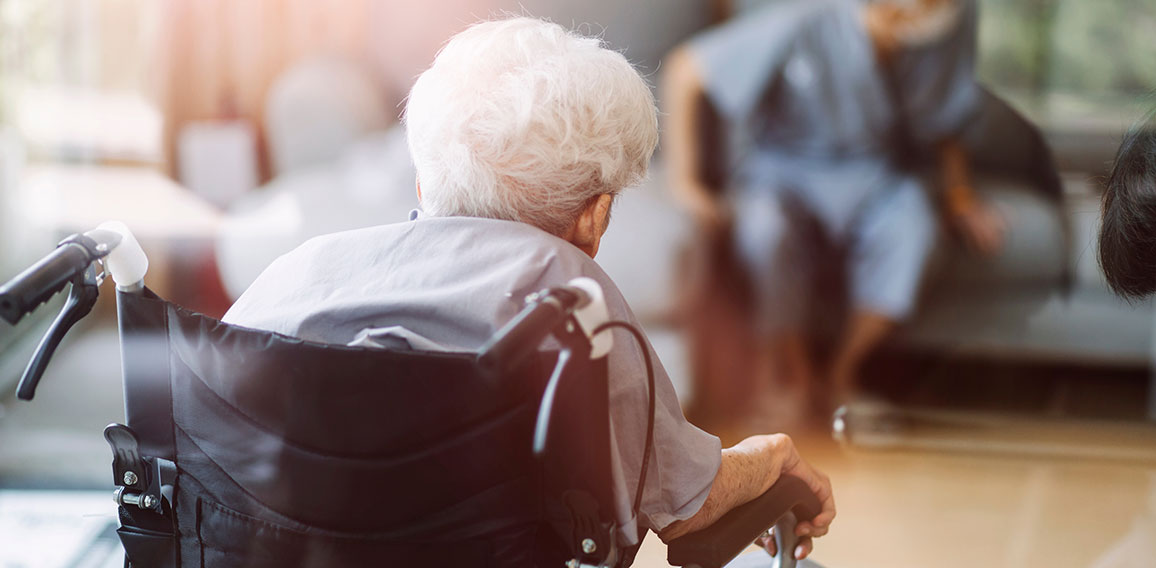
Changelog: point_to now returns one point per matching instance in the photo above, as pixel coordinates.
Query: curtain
(219, 57)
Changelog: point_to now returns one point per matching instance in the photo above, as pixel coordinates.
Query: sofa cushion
(1034, 322)
(1033, 249)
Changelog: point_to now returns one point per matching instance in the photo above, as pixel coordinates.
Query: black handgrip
(719, 543)
(522, 335)
(40, 281)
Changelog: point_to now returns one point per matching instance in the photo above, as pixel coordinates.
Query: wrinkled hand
(820, 485)
(981, 227)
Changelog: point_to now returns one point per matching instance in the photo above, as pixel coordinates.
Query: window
(1071, 64)
(75, 87)
(75, 81)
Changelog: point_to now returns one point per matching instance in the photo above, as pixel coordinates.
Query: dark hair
(1128, 228)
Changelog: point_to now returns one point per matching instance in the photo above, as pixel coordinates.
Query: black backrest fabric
(353, 450)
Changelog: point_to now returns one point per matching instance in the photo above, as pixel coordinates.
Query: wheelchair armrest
(717, 544)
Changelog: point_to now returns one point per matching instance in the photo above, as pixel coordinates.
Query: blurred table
(168, 220)
(77, 198)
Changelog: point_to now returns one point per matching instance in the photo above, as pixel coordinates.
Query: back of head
(520, 119)
(1128, 229)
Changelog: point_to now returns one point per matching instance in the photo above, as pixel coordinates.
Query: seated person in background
(827, 101)
(1128, 227)
(522, 135)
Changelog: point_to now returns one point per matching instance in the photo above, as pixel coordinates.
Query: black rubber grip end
(719, 543)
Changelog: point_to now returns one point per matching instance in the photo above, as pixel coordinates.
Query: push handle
(21, 295)
(719, 543)
(73, 262)
(544, 311)
(125, 261)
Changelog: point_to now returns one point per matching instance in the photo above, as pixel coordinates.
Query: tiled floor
(903, 509)
(58, 529)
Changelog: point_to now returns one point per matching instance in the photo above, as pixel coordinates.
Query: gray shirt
(450, 283)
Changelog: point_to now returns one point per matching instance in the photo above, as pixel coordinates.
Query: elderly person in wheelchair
(522, 135)
(347, 409)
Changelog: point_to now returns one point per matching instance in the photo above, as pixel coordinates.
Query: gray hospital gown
(815, 122)
(450, 283)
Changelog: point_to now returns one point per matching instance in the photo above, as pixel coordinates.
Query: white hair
(520, 119)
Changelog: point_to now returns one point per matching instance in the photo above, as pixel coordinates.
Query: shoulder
(306, 274)
(451, 279)
(433, 252)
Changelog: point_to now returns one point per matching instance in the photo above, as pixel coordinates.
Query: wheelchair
(250, 448)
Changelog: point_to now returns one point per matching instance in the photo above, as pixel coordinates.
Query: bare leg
(889, 251)
(864, 333)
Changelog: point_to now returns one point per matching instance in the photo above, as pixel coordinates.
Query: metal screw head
(588, 546)
(130, 478)
(148, 502)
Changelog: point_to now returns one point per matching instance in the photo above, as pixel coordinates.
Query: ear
(591, 224)
(418, 183)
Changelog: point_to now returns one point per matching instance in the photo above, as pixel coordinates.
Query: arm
(682, 89)
(980, 226)
(748, 469)
(956, 174)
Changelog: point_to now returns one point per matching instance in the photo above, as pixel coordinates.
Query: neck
(877, 22)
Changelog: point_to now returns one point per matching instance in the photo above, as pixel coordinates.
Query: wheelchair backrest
(342, 454)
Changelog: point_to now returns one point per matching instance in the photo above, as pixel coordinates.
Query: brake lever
(81, 299)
